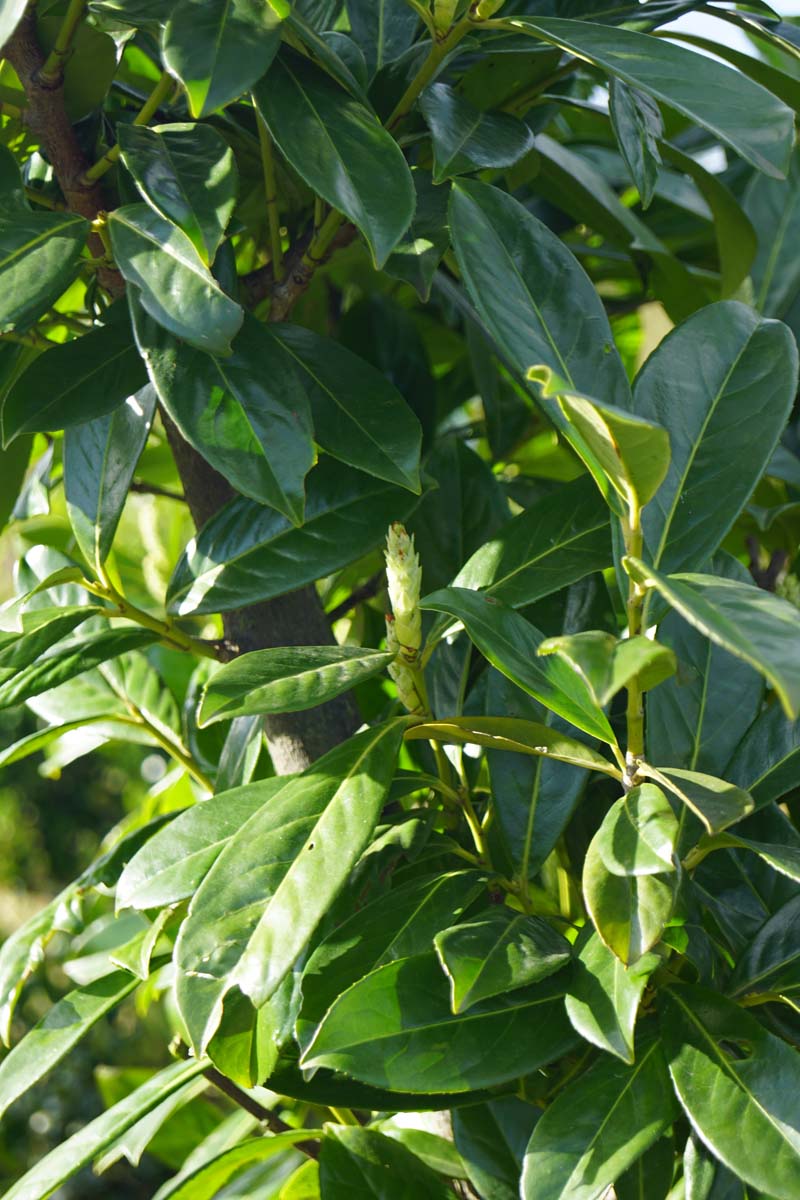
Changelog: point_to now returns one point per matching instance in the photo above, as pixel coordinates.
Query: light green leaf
(39, 258)
(219, 48)
(286, 679)
(749, 622)
(497, 952)
(638, 834)
(739, 1085)
(608, 663)
(603, 995)
(172, 282)
(209, 1178)
(629, 912)
(511, 733)
(465, 138)
(715, 801)
(100, 459)
(187, 173)
(597, 1127)
(338, 146)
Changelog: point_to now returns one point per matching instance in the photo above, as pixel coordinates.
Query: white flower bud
(404, 579)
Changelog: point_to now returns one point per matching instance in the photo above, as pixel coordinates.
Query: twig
(153, 489)
(271, 194)
(252, 1106)
(365, 592)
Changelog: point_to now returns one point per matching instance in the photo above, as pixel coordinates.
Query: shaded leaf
(638, 834)
(637, 124)
(363, 1162)
(465, 138)
(603, 995)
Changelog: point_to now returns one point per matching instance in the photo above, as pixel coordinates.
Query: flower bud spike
(404, 580)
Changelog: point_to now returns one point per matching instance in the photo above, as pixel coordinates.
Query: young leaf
(39, 257)
(749, 622)
(597, 1127)
(219, 48)
(638, 834)
(732, 375)
(248, 553)
(741, 113)
(716, 802)
(340, 149)
(170, 279)
(100, 458)
(286, 680)
(395, 1029)
(79, 381)
(739, 1085)
(359, 416)
(465, 138)
(496, 953)
(69, 659)
(510, 733)
(603, 995)
(363, 1162)
(275, 880)
(187, 173)
(510, 643)
(607, 663)
(629, 912)
(246, 413)
(637, 124)
(545, 548)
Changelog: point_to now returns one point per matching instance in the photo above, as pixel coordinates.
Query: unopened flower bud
(404, 579)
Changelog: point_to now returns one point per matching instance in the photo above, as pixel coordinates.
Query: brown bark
(295, 739)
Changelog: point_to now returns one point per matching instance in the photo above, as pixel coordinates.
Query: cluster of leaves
(536, 937)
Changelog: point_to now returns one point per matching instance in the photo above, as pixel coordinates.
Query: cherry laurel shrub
(474, 870)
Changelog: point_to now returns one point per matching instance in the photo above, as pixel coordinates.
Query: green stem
(173, 749)
(321, 241)
(52, 72)
(148, 110)
(39, 197)
(166, 631)
(429, 69)
(271, 193)
(635, 707)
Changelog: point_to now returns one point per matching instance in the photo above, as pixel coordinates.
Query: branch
(252, 1106)
(365, 592)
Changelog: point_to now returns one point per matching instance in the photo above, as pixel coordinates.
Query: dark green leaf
(510, 733)
(510, 643)
(286, 680)
(732, 376)
(650, 1177)
(716, 802)
(597, 1127)
(187, 174)
(384, 29)
(766, 761)
(739, 1085)
(247, 414)
(79, 381)
(248, 553)
(771, 961)
(603, 995)
(492, 1139)
(277, 877)
(749, 622)
(100, 459)
(39, 257)
(171, 279)
(340, 149)
(628, 911)
(773, 205)
(364, 1162)
(636, 121)
(418, 254)
(497, 952)
(359, 417)
(395, 1029)
(465, 138)
(13, 466)
(543, 549)
(219, 48)
(741, 113)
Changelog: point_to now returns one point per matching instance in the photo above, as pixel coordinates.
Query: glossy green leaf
(79, 381)
(650, 1177)
(245, 413)
(732, 376)
(100, 459)
(416, 257)
(497, 952)
(384, 29)
(275, 880)
(637, 124)
(749, 622)
(739, 1085)
(244, 1046)
(492, 1139)
(363, 1162)
(603, 995)
(395, 1029)
(172, 864)
(715, 801)
(773, 205)
(248, 553)
(511, 733)
(41, 629)
(510, 643)
(767, 758)
(638, 834)
(240, 753)
(770, 962)
(219, 48)
(534, 299)
(13, 467)
(71, 658)
(465, 138)
(629, 912)
(741, 113)
(394, 926)
(187, 174)
(545, 548)
(359, 416)
(784, 859)
(171, 279)
(286, 680)
(340, 149)
(597, 1127)
(210, 1177)
(78, 1151)
(39, 258)
(607, 663)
